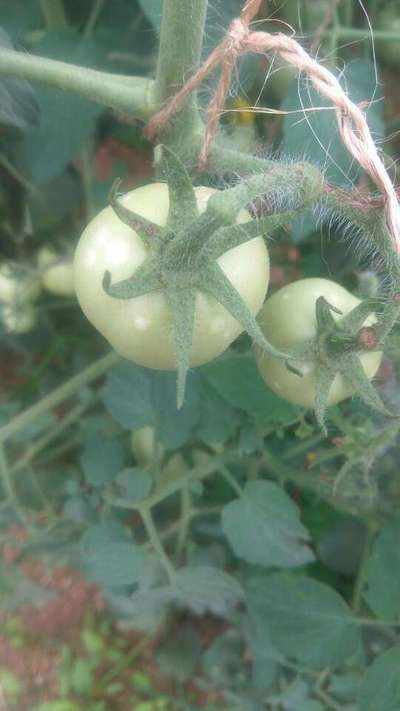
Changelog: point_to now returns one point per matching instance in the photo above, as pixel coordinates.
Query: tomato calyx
(335, 350)
(182, 257)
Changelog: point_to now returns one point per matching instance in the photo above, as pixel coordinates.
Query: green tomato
(18, 319)
(57, 273)
(287, 320)
(18, 285)
(141, 329)
(143, 445)
(388, 20)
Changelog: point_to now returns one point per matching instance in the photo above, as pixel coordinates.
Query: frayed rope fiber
(352, 123)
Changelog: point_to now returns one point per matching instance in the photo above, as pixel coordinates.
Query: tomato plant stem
(231, 480)
(132, 95)
(54, 432)
(155, 540)
(55, 398)
(177, 60)
(9, 489)
(184, 523)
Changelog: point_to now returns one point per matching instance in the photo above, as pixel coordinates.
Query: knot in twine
(352, 124)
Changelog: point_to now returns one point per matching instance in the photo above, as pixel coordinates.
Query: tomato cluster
(140, 328)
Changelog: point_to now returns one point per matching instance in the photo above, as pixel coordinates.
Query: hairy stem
(9, 489)
(132, 95)
(154, 539)
(179, 56)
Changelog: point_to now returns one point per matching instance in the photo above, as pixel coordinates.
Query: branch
(181, 41)
(132, 95)
(59, 395)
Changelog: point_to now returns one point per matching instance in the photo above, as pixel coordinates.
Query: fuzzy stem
(132, 95)
(184, 523)
(9, 489)
(55, 398)
(154, 539)
(179, 56)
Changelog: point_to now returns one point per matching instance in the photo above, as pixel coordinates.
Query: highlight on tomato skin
(141, 328)
(288, 320)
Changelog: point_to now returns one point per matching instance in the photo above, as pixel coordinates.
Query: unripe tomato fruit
(143, 445)
(17, 285)
(388, 20)
(141, 329)
(57, 273)
(288, 319)
(19, 320)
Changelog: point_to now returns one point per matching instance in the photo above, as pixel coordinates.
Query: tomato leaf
(383, 573)
(204, 589)
(135, 484)
(236, 378)
(115, 565)
(101, 460)
(263, 527)
(137, 396)
(67, 120)
(306, 619)
(381, 686)
(127, 396)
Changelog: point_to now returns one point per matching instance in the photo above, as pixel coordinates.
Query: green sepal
(147, 230)
(181, 252)
(145, 279)
(355, 319)
(216, 283)
(182, 303)
(353, 371)
(323, 313)
(226, 238)
(182, 199)
(229, 237)
(324, 378)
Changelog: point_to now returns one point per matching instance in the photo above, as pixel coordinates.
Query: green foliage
(66, 122)
(101, 459)
(306, 619)
(263, 527)
(205, 589)
(238, 381)
(381, 686)
(383, 574)
(254, 560)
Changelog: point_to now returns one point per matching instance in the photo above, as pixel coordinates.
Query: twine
(353, 127)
